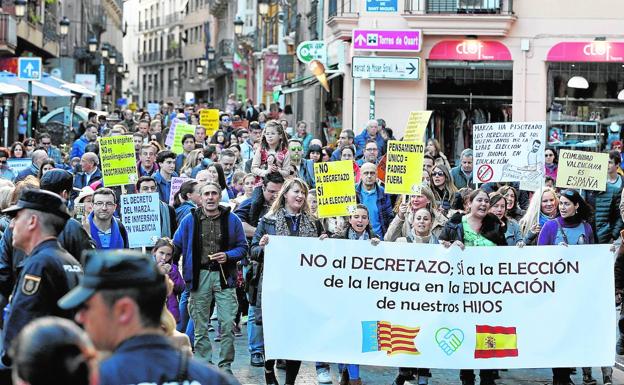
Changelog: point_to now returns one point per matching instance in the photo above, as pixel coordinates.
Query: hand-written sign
(140, 215)
(456, 308)
(508, 152)
(19, 164)
(582, 170)
(210, 120)
(404, 166)
(118, 160)
(335, 188)
(181, 129)
(176, 183)
(416, 126)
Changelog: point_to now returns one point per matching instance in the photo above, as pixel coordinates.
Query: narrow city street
(376, 375)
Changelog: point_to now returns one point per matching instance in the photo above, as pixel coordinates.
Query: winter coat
(490, 228)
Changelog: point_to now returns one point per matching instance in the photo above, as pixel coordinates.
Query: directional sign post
(384, 67)
(393, 40)
(29, 69)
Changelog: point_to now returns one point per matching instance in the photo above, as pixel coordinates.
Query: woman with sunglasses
(478, 227)
(571, 227)
(442, 186)
(550, 163)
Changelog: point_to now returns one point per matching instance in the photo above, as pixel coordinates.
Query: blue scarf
(116, 242)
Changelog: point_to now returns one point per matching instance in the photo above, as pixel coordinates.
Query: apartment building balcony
(342, 17)
(217, 7)
(460, 17)
(8, 35)
(39, 34)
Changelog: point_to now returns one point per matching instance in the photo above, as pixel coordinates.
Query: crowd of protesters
(252, 178)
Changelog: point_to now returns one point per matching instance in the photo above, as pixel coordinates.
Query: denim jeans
(353, 369)
(255, 336)
(185, 325)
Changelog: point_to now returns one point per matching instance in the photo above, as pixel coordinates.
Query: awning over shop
(68, 86)
(9, 89)
(304, 82)
(38, 88)
(470, 50)
(593, 51)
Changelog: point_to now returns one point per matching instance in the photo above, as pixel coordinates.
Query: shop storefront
(468, 82)
(584, 81)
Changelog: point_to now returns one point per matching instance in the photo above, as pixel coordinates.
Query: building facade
(486, 61)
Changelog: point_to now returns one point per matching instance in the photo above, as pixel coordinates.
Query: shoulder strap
(563, 234)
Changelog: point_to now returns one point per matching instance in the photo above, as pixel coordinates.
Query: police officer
(49, 271)
(120, 300)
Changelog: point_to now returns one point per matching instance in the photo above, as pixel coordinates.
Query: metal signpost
(29, 69)
(384, 67)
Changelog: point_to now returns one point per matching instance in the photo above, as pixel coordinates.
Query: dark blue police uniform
(48, 274)
(150, 358)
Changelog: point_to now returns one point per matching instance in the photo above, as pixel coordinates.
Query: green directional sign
(312, 50)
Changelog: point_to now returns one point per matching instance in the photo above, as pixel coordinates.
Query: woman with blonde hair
(542, 208)
(442, 186)
(289, 215)
(402, 224)
(194, 158)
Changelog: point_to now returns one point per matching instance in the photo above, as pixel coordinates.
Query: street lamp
(93, 44)
(200, 70)
(64, 26)
(20, 8)
(120, 68)
(211, 53)
(126, 72)
(105, 50)
(203, 62)
(263, 7)
(112, 59)
(238, 26)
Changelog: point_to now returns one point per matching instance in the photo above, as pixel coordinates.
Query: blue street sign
(102, 77)
(29, 68)
(381, 5)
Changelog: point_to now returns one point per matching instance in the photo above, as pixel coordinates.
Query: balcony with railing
(342, 17)
(460, 17)
(8, 34)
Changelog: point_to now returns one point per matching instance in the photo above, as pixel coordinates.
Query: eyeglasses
(46, 143)
(568, 193)
(437, 173)
(100, 204)
(296, 148)
(549, 155)
(3, 161)
(226, 120)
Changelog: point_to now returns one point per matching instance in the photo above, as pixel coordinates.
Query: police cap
(40, 200)
(112, 269)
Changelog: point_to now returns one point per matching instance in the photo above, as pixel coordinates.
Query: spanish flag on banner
(496, 342)
(393, 339)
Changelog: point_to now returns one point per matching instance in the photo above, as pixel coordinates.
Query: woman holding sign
(571, 227)
(476, 228)
(288, 216)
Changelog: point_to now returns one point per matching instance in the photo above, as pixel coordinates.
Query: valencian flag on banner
(393, 339)
(496, 342)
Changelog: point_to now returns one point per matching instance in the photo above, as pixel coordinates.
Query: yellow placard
(335, 188)
(119, 165)
(582, 170)
(416, 126)
(181, 129)
(404, 167)
(210, 120)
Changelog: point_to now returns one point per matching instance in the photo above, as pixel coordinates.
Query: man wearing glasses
(225, 123)
(107, 231)
(302, 168)
(45, 141)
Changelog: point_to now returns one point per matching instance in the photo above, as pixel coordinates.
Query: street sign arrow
(29, 68)
(360, 39)
(385, 67)
(411, 68)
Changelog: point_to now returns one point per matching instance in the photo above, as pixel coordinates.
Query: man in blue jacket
(90, 135)
(212, 241)
(373, 196)
(371, 132)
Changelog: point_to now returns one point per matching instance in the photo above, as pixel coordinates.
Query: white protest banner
(140, 215)
(176, 183)
(582, 170)
(508, 152)
(425, 306)
(19, 164)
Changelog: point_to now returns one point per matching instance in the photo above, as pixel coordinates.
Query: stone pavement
(374, 375)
